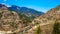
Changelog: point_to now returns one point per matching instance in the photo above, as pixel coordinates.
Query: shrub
(56, 28)
(38, 30)
(0, 15)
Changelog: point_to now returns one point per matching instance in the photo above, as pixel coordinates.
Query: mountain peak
(58, 6)
(54, 9)
(25, 10)
(1, 5)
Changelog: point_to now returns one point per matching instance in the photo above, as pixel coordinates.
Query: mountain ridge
(46, 21)
(21, 23)
(25, 10)
(12, 21)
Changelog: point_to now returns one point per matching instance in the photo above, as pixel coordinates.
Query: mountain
(24, 10)
(9, 20)
(27, 14)
(14, 21)
(48, 23)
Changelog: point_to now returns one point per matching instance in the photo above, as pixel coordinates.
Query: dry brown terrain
(11, 23)
(46, 21)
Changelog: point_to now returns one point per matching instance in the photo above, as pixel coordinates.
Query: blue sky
(39, 5)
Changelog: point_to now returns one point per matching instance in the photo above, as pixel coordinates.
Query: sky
(39, 5)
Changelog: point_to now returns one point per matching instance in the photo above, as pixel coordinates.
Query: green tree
(38, 30)
(56, 28)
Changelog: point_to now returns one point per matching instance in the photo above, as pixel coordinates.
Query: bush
(38, 30)
(56, 28)
(0, 15)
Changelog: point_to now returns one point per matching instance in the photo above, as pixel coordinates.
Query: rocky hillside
(10, 21)
(46, 22)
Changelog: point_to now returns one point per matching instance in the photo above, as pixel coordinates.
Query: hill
(46, 21)
(12, 22)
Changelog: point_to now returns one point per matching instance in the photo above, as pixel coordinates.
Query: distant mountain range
(27, 11)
